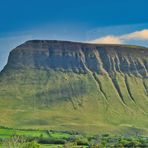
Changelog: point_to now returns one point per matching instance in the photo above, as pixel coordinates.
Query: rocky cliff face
(80, 57)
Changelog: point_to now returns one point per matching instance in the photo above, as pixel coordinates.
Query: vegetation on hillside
(33, 98)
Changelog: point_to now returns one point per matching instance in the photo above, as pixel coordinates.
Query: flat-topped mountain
(80, 57)
(71, 85)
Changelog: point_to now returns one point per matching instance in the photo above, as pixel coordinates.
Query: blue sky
(99, 21)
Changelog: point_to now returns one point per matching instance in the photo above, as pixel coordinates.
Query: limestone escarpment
(77, 57)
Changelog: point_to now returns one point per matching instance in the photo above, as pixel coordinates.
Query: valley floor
(31, 138)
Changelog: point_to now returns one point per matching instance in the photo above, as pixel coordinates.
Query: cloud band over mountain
(112, 39)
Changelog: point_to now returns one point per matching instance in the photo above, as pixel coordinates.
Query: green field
(66, 139)
(53, 138)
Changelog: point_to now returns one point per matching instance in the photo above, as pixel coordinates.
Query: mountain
(75, 86)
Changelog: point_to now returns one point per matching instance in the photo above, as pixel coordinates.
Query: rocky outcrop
(70, 56)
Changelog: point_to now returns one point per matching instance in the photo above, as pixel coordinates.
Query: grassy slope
(58, 100)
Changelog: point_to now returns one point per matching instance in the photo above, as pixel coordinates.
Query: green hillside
(109, 100)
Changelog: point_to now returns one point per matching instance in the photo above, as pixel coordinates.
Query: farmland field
(26, 138)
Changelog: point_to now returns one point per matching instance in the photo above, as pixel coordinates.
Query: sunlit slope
(97, 89)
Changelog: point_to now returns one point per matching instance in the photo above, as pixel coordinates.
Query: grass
(67, 139)
(40, 99)
(51, 146)
(55, 136)
(9, 132)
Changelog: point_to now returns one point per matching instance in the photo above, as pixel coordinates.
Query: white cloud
(138, 35)
(107, 40)
(111, 39)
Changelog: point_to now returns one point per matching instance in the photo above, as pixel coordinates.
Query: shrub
(32, 144)
(69, 145)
